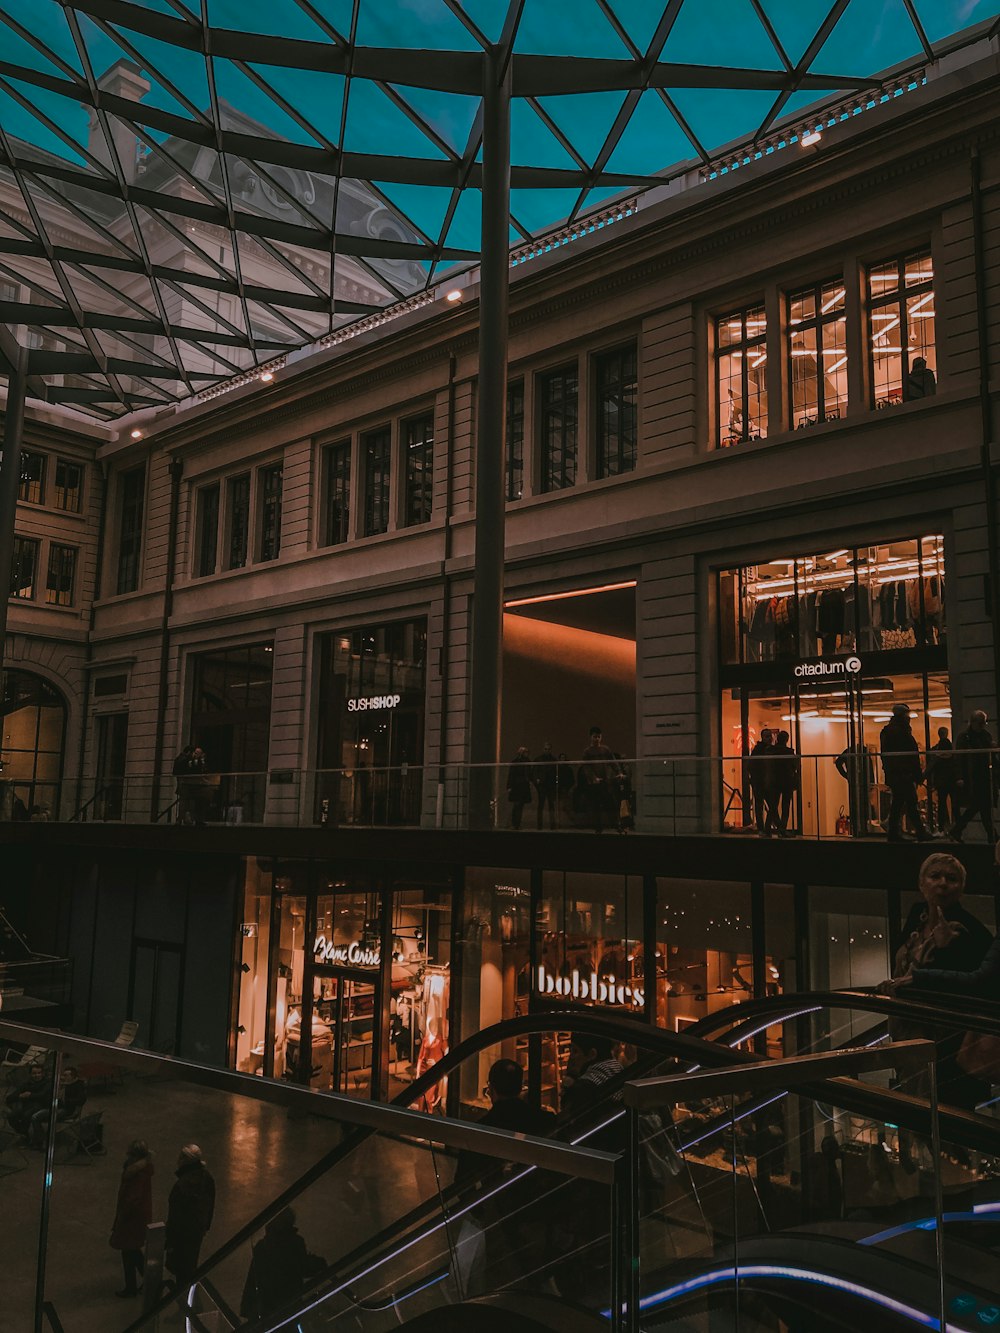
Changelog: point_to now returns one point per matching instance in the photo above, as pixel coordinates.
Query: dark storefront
(371, 727)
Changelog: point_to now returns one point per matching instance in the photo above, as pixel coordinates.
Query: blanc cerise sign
(346, 955)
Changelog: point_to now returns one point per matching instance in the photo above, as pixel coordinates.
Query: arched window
(31, 746)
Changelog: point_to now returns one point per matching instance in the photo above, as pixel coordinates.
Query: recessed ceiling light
(809, 139)
(137, 434)
(454, 295)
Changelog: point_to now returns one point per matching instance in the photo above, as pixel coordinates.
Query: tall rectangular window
(69, 486)
(131, 491)
(375, 451)
(61, 573)
(741, 376)
(23, 568)
(207, 532)
(269, 500)
(901, 329)
(515, 440)
(419, 442)
(559, 415)
(617, 418)
(337, 488)
(31, 486)
(817, 354)
(238, 520)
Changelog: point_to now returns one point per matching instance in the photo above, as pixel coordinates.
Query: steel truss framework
(190, 189)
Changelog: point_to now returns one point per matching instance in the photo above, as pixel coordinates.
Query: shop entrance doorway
(348, 1010)
(154, 998)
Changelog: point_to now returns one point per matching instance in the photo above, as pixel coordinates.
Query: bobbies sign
(589, 986)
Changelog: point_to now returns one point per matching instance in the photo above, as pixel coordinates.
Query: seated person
(72, 1095)
(26, 1099)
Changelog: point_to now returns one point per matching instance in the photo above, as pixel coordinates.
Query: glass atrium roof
(190, 189)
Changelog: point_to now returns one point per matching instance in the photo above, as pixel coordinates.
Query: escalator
(754, 1220)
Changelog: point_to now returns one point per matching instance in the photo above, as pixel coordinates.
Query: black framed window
(418, 435)
(515, 440)
(207, 532)
(131, 495)
(337, 488)
(559, 414)
(901, 324)
(69, 486)
(238, 520)
(376, 450)
(31, 486)
(269, 482)
(24, 568)
(817, 354)
(617, 417)
(741, 376)
(61, 575)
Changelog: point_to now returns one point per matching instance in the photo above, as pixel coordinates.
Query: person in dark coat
(189, 1214)
(133, 1214)
(976, 776)
(786, 773)
(942, 775)
(920, 382)
(901, 766)
(279, 1270)
(854, 764)
(597, 772)
(519, 785)
(545, 775)
(759, 773)
(508, 1110)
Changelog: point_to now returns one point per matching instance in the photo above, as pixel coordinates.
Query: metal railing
(857, 794)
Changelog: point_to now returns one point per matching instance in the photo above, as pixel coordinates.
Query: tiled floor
(254, 1151)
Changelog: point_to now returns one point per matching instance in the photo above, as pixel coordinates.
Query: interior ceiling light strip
(576, 592)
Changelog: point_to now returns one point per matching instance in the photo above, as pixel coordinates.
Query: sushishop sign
(373, 702)
(828, 668)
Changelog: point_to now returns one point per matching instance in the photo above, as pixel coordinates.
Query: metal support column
(10, 481)
(491, 432)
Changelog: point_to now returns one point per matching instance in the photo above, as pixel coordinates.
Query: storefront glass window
(589, 945)
(741, 376)
(703, 950)
(817, 354)
(901, 329)
(371, 724)
(346, 957)
(495, 944)
(858, 599)
(255, 938)
(420, 1007)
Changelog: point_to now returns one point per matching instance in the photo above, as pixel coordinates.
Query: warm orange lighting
(266, 377)
(577, 592)
(136, 434)
(454, 295)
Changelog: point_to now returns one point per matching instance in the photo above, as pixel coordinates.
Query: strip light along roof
(192, 189)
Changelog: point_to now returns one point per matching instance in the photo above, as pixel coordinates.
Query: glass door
(350, 1017)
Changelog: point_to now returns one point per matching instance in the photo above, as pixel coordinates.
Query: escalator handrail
(972, 1131)
(784, 1007)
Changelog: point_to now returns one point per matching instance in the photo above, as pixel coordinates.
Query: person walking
(901, 766)
(545, 776)
(976, 777)
(519, 785)
(759, 773)
(596, 772)
(942, 779)
(190, 1209)
(133, 1214)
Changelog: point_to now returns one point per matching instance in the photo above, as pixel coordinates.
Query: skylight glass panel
(870, 36)
(733, 36)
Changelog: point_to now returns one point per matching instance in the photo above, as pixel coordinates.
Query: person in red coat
(133, 1213)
